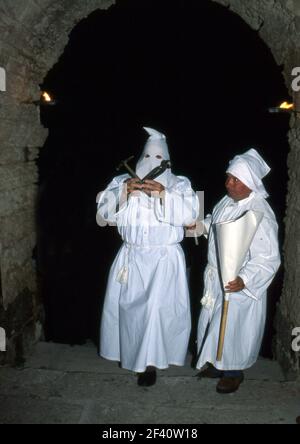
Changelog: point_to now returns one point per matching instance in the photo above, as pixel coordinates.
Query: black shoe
(147, 378)
(210, 372)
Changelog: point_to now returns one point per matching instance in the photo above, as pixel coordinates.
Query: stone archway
(33, 36)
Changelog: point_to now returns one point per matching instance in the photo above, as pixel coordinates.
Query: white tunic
(247, 309)
(146, 314)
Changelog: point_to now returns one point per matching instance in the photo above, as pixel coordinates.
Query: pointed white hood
(250, 168)
(155, 150)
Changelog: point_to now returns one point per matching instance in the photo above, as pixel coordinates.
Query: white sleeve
(180, 205)
(111, 202)
(264, 260)
(207, 224)
(201, 229)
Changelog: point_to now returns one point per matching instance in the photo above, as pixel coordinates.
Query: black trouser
(228, 373)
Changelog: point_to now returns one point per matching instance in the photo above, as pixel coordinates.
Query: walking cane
(223, 328)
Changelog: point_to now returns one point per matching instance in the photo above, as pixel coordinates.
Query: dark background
(191, 69)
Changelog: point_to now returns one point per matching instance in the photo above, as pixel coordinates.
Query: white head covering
(156, 145)
(250, 168)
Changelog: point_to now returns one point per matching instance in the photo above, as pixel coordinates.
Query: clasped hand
(150, 187)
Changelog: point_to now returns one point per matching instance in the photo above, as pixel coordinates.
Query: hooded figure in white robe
(247, 308)
(146, 314)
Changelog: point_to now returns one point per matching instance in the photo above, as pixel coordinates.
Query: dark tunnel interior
(193, 70)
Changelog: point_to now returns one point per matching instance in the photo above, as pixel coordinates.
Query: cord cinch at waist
(150, 245)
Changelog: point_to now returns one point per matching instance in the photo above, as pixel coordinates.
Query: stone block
(16, 199)
(36, 140)
(32, 153)
(17, 254)
(293, 6)
(21, 320)
(16, 176)
(27, 131)
(15, 278)
(16, 226)
(12, 154)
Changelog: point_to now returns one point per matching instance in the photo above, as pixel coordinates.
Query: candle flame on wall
(286, 105)
(46, 97)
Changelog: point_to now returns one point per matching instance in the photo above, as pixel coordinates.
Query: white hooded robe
(247, 309)
(146, 314)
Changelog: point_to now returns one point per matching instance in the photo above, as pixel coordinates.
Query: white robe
(146, 320)
(247, 309)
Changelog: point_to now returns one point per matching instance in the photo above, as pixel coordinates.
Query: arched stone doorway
(27, 57)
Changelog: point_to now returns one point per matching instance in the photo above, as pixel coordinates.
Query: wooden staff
(223, 328)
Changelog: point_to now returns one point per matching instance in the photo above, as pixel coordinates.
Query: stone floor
(60, 384)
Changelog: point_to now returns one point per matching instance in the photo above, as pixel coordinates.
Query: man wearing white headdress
(146, 317)
(248, 301)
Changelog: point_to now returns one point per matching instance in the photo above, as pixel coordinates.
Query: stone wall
(20, 131)
(288, 312)
(33, 34)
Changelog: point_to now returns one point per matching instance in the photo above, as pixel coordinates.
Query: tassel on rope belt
(209, 298)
